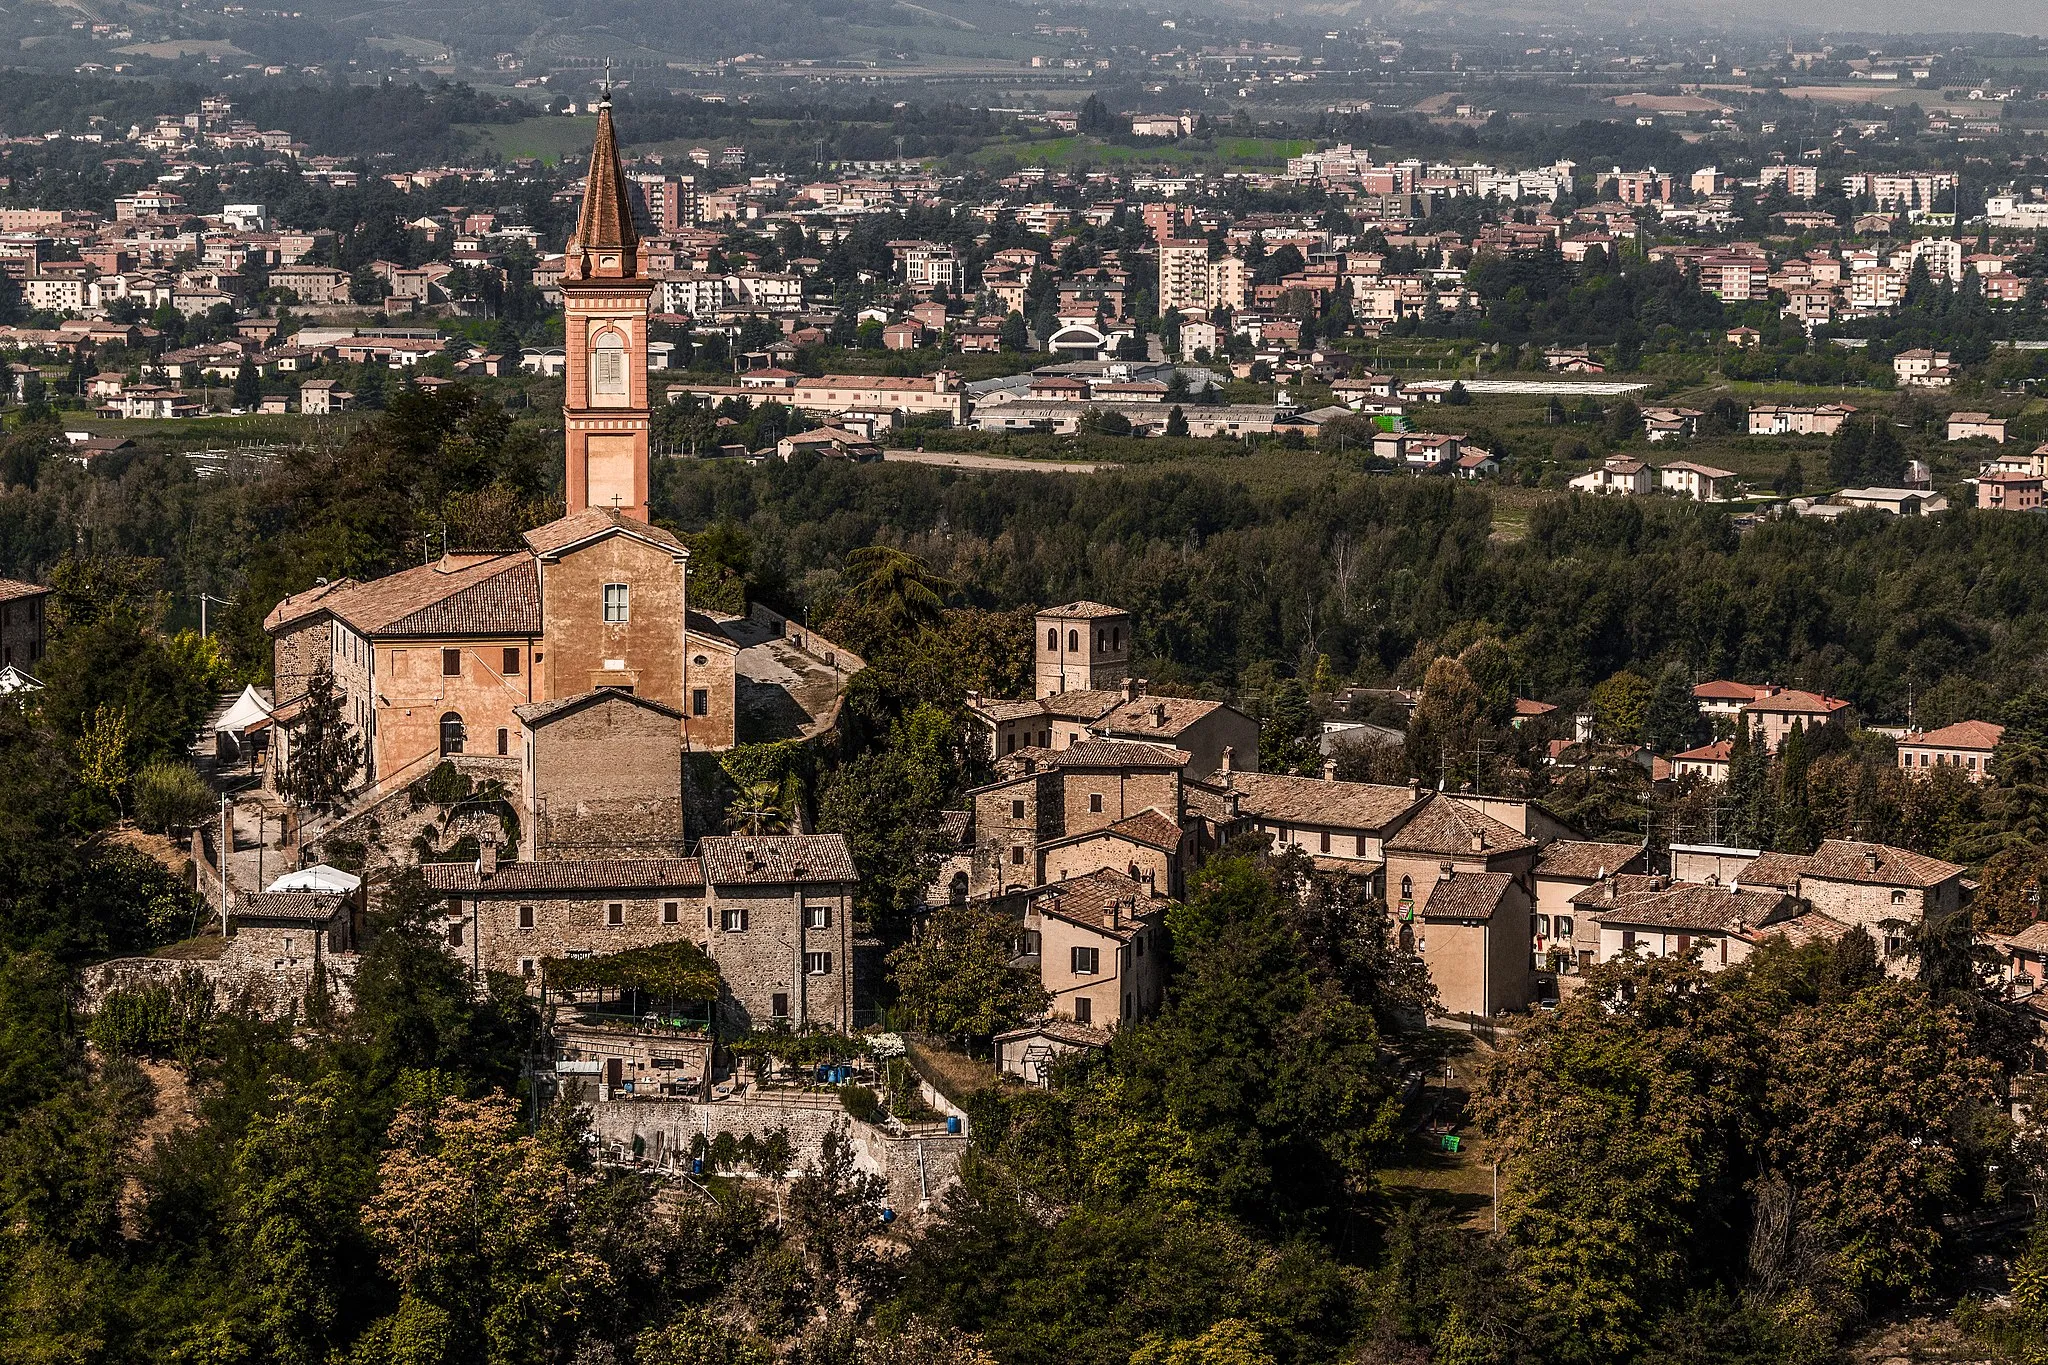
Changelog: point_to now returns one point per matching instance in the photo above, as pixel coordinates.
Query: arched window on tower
(1074, 641)
(453, 734)
(608, 386)
(1052, 639)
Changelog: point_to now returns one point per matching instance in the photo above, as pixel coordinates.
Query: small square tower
(1082, 646)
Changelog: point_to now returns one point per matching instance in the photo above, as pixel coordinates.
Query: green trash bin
(1450, 1142)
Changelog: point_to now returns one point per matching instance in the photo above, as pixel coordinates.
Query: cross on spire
(607, 80)
(615, 502)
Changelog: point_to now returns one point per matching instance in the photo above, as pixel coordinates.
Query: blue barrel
(696, 1165)
(953, 1123)
(888, 1215)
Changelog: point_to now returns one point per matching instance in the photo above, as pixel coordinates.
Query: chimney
(1229, 754)
(487, 862)
(973, 700)
(1130, 689)
(1870, 862)
(1329, 770)
(1109, 917)
(1414, 788)
(1141, 684)
(1610, 892)
(1159, 715)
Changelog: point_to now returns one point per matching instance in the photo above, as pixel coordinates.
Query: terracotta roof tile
(1811, 927)
(776, 859)
(1468, 895)
(291, 907)
(592, 522)
(506, 603)
(1086, 899)
(1100, 753)
(592, 874)
(1587, 861)
(1281, 798)
(1151, 826)
(1964, 734)
(1083, 610)
(13, 590)
(1164, 717)
(1693, 905)
(432, 599)
(1446, 828)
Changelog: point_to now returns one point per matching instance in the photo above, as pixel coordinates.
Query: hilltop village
(1419, 744)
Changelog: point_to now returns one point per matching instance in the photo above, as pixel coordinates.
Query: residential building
(1459, 884)
(1923, 369)
(24, 631)
(1976, 426)
(2009, 492)
(1098, 937)
(1774, 715)
(1566, 867)
(1623, 474)
(1717, 926)
(1708, 762)
(1882, 889)
(774, 911)
(1701, 483)
(1190, 280)
(1966, 745)
(1341, 826)
(1776, 420)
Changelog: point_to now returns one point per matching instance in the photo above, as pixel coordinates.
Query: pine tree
(325, 751)
(1749, 791)
(1176, 422)
(1884, 460)
(1845, 454)
(248, 388)
(1673, 723)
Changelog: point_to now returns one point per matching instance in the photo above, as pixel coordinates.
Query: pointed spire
(605, 227)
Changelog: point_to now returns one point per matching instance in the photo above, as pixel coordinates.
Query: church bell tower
(606, 292)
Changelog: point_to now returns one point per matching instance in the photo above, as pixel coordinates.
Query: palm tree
(757, 809)
(898, 586)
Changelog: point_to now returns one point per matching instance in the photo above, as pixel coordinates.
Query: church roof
(456, 595)
(591, 523)
(606, 222)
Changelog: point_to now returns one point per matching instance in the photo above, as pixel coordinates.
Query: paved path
(947, 459)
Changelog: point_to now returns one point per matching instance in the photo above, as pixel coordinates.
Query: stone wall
(920, 1163)
(387, 826)
(606, 781)
(238, 980)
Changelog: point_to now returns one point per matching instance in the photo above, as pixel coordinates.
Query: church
(464, 655)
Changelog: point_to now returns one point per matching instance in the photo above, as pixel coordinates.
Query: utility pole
(204, 598)
(227, 847)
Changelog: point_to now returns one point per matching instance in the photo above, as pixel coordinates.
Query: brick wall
(648, 644)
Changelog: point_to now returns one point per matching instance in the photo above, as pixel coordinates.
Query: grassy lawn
(211, 433)
(1424, 1169)
(547, 138)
